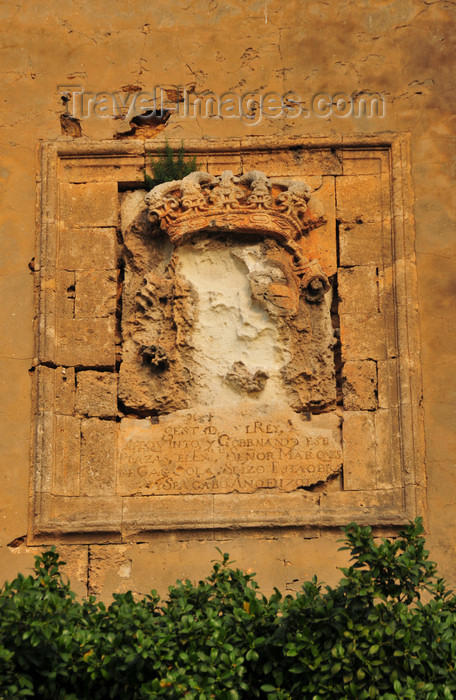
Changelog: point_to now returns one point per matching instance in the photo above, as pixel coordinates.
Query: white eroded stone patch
(230, 326)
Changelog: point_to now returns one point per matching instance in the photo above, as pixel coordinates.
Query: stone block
(388, 448)
(64, 294)
(358, 291)
(320, 243)
(386, 507)
(83, 514)
(129, 168)
(300, 507)
(359, 163)
(89, 204)
(361, 323)
(295, 161)
(218, 162)
(89, 343)
(361, 244)
(359, 387)
(168, 512)
(56, 389)
(388, 383)
(359, 198)
(64, 389)
(96, 293)
(359, 451)
(87, 249)
(96, 394)
(65, 481)
(362, 339)
(98, 457)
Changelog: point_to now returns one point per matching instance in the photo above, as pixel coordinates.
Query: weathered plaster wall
(402, 49)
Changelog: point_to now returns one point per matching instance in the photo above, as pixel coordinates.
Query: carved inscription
(191, 453)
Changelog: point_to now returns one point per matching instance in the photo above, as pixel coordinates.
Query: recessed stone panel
(237, 349)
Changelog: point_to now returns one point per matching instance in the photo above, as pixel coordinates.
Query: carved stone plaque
(211, 452)
(235, 349)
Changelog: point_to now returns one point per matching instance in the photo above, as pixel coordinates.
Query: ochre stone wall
(400, 50)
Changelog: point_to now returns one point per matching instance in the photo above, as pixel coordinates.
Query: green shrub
(169, 166)
(386, 631)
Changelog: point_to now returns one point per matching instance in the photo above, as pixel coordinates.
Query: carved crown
(249, 203)
(280, 208)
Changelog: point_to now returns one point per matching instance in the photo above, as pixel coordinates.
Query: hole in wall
(70, 126)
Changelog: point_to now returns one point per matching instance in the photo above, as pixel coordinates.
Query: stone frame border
(96, 520)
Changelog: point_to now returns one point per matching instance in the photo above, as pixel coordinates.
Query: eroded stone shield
(227, 381)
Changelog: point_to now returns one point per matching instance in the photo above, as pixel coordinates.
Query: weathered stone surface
(76, 565)
(201, 306)
(98, 457)
(94, 514)
(320, 243)
(358, 291)
(212, 452)
(361, 323)
(109, 567)
(359, 387)
(361, 337)
(218, 162)
(387, 448)
(87, 249)
(96, 294)
(58, 389)
(96, 394)
(64, 390)
(142, 513)
(388, 383)
(362, 163)
(87, 342)
(65, 294)
(359, 199)
(294, 508)
(360, 505)
(129, 168)
(65, 480)
(359, 451)
(361, 243)
(294, 162)
(89, 204)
